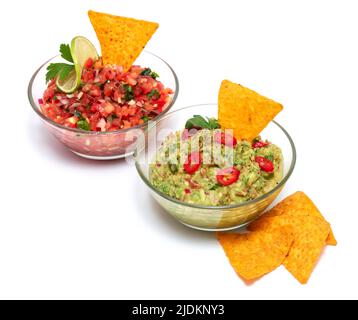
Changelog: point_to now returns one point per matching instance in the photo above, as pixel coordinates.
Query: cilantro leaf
(200, 122)
(129, 93)
(154, 75)
(153, 93)
(66, 52)
(61, 70)
(197, 122)
(84, 125)
(146, 72)
(145, 118)
(65, 71)
(214, 123)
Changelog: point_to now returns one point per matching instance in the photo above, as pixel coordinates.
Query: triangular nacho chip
(307, 248)
(298, 204)
(122, 39)
(255, 254)
(310, 230)
(244, 110)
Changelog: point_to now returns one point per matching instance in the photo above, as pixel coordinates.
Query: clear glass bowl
(201, 217)
(101, 145)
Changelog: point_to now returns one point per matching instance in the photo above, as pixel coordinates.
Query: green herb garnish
(153, 93)
(150, 73)
(66, 52)
(84, 125)
(145, 118)
(154, 75)
(200, 122)
(129, 93)
(61, 70)
(146, 72)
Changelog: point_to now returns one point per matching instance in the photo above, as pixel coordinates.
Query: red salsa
(108, 99)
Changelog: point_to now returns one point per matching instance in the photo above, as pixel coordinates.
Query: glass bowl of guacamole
(204, 177)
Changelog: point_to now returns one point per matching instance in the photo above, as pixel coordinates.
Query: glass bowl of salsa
(207, 190)
(104, 117)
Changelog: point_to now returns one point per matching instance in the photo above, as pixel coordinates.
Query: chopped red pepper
(265, 164)
(193, 162)
(260, 144)
(187, 191)
(227, 176)
(225, 139)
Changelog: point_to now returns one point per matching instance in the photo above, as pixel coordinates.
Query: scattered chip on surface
(122, 39)
(310, 231)
(307, 247)
(297, 205)
(255, 254)
(331, 240)
(244, 110)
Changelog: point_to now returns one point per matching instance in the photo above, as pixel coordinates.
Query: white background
(74, 228)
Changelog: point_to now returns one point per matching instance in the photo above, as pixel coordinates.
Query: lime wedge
(71, 83)
(81, 50)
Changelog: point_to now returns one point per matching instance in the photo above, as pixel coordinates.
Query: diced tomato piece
(102, 94)
(88, 64)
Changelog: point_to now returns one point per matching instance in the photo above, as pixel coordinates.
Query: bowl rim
(98, 133)
(232, 206)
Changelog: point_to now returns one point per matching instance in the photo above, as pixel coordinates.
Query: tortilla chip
(122, 39)
(255, 254)
(309, 233)
(244, 110)
(331, 240)
(307, 248)
(299, 204)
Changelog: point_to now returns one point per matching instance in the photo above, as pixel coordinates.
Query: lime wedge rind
(71, 83)
(81, 50)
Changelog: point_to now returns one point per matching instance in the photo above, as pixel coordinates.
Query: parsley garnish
(129, 93)
(150, 73)
(145, 118)
(154, 75)
(146, 72)
(61, 70)
(84, 125)
(200, 122)
(66, 52)
(153, 93)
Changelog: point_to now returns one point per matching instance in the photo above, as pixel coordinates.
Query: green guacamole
(224, 173)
